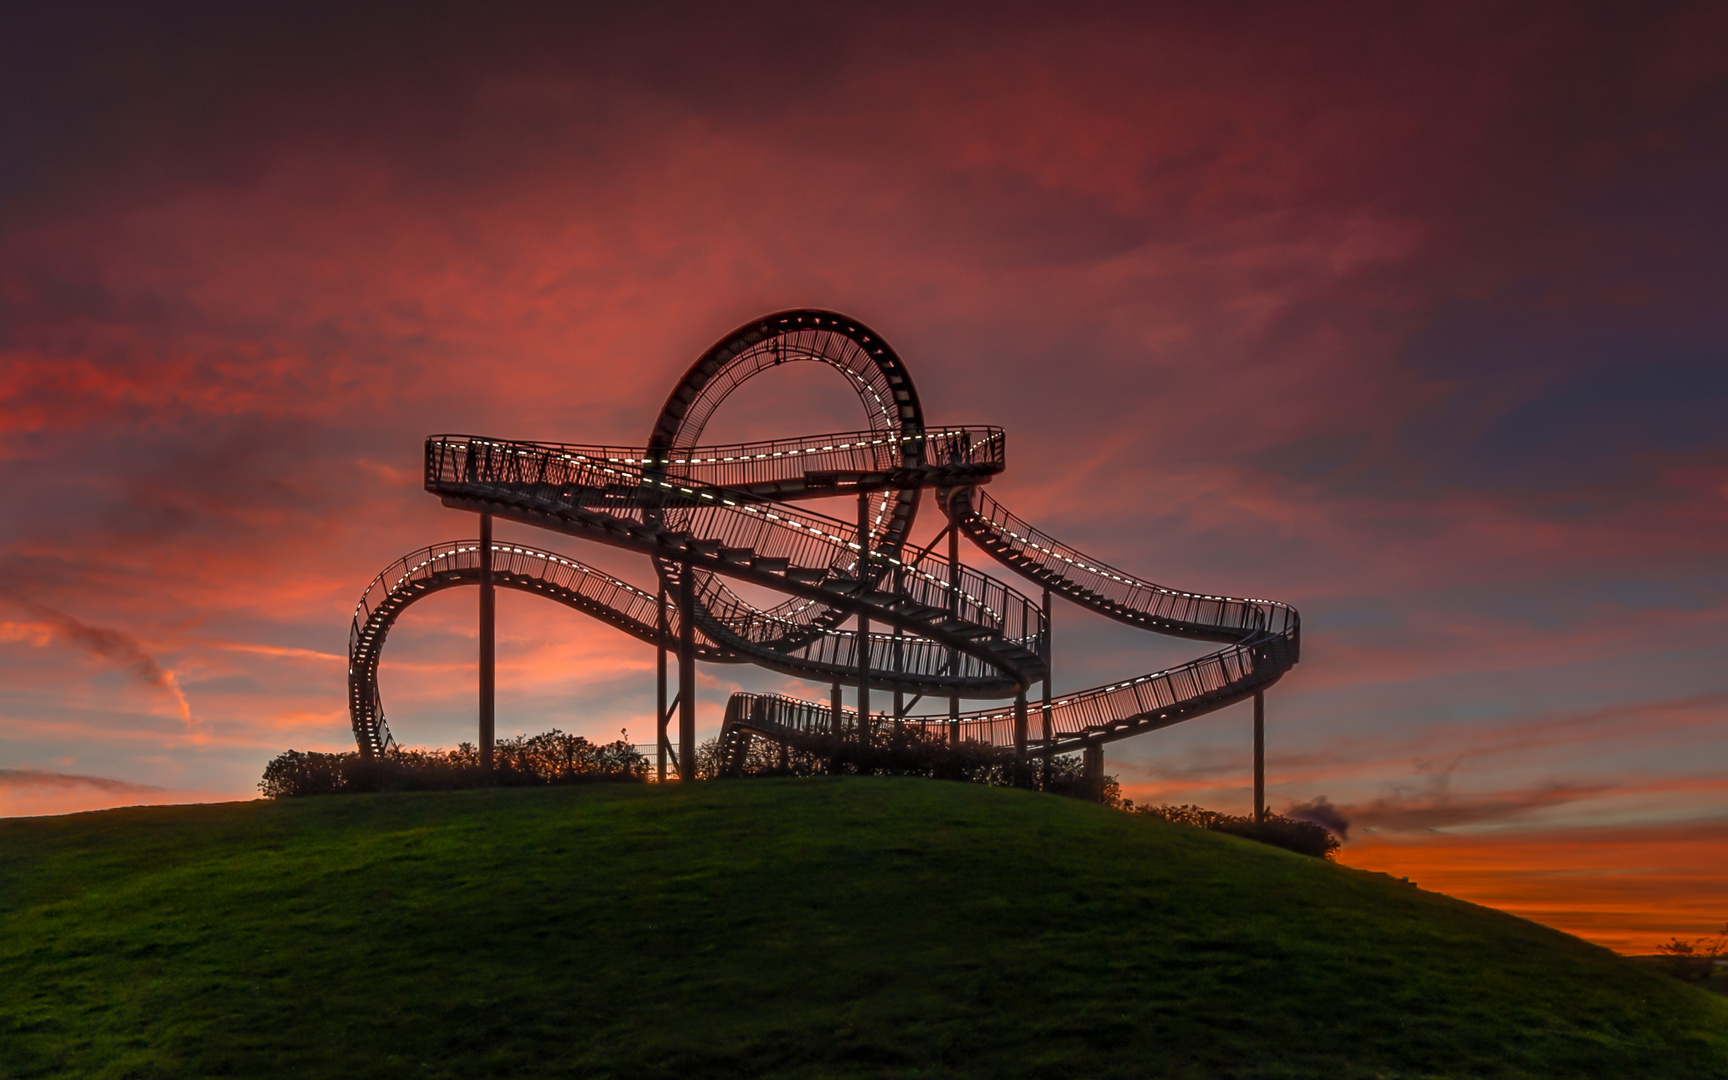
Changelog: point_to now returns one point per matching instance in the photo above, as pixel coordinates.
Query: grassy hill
(826, 927)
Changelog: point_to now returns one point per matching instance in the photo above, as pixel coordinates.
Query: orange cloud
(1628, 888)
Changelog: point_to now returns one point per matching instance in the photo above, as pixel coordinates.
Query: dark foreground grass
(825, 927)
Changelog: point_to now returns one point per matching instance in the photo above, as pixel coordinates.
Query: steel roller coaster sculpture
(861, 608)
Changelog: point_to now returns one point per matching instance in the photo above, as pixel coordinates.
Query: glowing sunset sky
(1414, 318)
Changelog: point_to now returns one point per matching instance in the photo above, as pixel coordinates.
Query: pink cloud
(108, 644)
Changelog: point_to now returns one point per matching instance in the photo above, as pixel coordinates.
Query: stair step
(772, 565)
(804, 575)
(964, 629)
(738, 555)
(921, 612)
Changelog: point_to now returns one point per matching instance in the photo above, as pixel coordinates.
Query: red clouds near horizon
(1410, 317)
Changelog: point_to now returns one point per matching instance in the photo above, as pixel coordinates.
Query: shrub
(1302, 837)
(762, 758)
(308, 773)
(1067, 776)
(1695, 960)
(896, 750)
(558, 758)
(550, 758)
(904, 750)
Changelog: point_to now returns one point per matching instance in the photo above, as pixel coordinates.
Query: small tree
(1694, 960)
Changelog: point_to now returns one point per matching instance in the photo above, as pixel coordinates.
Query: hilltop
(817, 927)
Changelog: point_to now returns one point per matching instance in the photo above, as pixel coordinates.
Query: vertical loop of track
(870, 368)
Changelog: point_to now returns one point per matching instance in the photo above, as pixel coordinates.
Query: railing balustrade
(555, 477)
(1048, 557)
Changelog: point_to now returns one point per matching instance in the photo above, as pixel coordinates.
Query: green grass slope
(827, 927)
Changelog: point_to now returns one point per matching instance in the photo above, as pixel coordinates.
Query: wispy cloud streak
(106, 643)
(15, 779)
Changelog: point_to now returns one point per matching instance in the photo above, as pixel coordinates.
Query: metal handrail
(963, 451)
(554, 478)
(1042, 557)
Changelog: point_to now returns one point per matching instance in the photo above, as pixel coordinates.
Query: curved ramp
(831, 655)
(433, 569)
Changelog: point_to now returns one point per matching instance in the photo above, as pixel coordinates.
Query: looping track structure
(923, 623)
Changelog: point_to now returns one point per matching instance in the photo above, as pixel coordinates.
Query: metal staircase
(710, 516)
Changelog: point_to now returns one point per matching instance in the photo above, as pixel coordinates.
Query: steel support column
(686, 673)
(1092, 771)
(1259, 755)
(899, 666)
(953, 613)
(488, 652)
(1022, 773)
(863, 621)
(660, 715)
(1049, 741)
(834, 725)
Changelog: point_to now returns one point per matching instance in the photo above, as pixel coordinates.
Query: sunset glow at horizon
(1410, 318)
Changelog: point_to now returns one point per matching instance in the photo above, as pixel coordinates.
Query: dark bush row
(1299, 836)
(523, 761)
(895, 751)
(909, 751)
(558, 758)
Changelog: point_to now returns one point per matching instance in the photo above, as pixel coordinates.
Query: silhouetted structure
(924, 623)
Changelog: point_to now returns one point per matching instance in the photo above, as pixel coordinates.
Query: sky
(1408, 315)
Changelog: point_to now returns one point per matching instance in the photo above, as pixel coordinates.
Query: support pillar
(1259, 756)
(899, 666)
(660, 714)
(1092, 771)
(1049, 740)
(834, 726)
(488, 653)
(687, 674)
(1022, 772)
(863, 621)
(954, 613)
